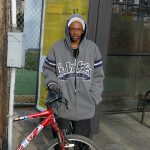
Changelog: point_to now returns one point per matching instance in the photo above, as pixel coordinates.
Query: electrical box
(16, 52)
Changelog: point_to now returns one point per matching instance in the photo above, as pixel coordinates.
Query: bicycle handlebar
(58, 97)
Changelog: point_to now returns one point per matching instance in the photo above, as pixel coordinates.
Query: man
(74, 65)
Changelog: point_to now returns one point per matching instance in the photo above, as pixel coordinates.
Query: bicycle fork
(61, 136)
(62, 140)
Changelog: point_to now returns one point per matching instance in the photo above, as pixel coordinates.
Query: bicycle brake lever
(64, 101)
(50, 101)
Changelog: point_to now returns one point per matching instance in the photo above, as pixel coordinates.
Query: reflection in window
(130, 28)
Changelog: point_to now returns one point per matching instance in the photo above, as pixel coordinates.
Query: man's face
(76, 31)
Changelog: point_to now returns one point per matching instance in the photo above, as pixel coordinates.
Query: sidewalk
(117, 132)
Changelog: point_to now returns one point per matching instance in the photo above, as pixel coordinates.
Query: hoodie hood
(67, 35)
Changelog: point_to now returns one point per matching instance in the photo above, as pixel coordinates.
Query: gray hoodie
(80, 79)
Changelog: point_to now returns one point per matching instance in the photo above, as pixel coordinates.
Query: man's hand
(54, 89)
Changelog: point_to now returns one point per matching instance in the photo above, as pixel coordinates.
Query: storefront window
(127, 70)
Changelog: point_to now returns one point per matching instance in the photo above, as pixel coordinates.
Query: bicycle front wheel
(75, 142)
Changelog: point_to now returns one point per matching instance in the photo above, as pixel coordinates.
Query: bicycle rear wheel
(76, 142)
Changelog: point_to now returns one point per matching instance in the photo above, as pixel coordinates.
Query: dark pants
(82, 127)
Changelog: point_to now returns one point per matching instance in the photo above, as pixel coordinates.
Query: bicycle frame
(49, 120)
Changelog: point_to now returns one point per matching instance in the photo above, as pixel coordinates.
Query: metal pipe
(12, 82)
(13, 13)
(23, 105)
(11, 107)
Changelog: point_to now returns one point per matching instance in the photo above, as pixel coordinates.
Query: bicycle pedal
(69, 145)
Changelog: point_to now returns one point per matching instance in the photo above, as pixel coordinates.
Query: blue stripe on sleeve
(50, 63)
(98, 63)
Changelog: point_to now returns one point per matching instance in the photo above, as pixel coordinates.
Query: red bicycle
(63, 142)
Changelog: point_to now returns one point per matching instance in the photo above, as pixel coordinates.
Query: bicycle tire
(79, 142)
